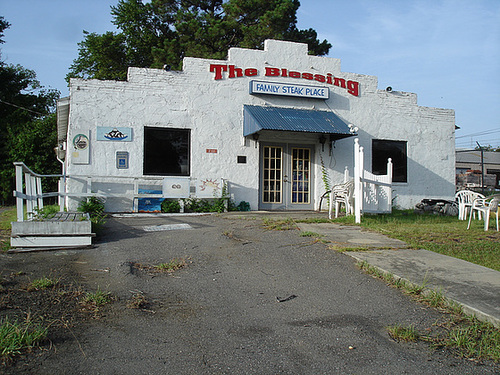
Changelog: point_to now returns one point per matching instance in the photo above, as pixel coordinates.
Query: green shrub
(46, 212)
(170, 206)
(243, 206)
(95, 208)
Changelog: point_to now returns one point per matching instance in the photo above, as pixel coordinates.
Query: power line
(481, 140)
(485, 132)
(26, 109)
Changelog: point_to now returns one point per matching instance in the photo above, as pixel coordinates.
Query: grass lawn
(7, 215)
(441, 234)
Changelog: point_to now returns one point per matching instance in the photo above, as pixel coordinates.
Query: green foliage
(309, 234)
(42, 283)
(243, 206)
(401, 333)
(464, 334)
(3, 25)
(474, 339)
(170, 206)
(99, 298)
(94, 206)
(8, 215)
(173, 265)
(197, 205)
(46, 212)
(27, 128)
(205, 205)
(18, 336)
(326, 180)
(488, 148)
(101, 57)
(163, 32)
(280, 224)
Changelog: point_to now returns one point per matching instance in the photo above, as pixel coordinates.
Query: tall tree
(163, 32)
(23, 101)
(3, 25)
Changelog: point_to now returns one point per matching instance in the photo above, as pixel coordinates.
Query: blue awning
(256, 118)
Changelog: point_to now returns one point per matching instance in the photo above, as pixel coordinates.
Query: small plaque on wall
(114, 134)
(121, 159)
(81, 149)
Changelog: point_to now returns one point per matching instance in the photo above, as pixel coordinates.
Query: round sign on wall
(81, 142)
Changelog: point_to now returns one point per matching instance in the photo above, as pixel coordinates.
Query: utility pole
(482, 167)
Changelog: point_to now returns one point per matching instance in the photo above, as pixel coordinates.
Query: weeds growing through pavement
(138, 301)
(42, 283)
(167, 267)
(284, 224)
(309, 234)
(173, 265)
(316, 237)
(400, 333)
(16, 336)
(463, 334)
(93, 301)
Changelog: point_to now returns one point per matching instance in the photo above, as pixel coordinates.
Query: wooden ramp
(64, 230)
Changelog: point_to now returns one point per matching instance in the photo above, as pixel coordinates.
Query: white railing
(372, 193)
(29, 192)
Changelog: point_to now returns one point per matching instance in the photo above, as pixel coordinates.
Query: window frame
(397, 150)
(147, 169)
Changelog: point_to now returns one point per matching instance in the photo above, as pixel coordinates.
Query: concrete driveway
(250, 301)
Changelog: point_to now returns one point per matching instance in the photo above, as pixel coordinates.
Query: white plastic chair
(485, 206)
(342, 194)
(464, 198)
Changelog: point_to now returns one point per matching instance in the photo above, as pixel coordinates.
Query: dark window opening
(242, 159)
(396, 150)
(166, 151)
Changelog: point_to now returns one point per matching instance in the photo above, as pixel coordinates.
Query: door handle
(285, 178)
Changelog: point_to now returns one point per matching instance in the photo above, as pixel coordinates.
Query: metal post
(482, 167)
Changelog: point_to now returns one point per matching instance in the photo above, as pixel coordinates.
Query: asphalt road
(222, 314)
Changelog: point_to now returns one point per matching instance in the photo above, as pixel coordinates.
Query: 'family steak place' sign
(232, 71)
(274, 88)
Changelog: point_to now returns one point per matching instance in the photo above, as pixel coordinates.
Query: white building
(273, 123)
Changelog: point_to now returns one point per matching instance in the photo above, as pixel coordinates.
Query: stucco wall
(213, 110)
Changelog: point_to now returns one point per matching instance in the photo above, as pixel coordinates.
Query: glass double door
(285, 177)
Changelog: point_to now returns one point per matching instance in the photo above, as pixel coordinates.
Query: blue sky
(445, 51)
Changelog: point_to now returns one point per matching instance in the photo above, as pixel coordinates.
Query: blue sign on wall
(286, 89)
(114, 134)
(150, 204)
(121, 159)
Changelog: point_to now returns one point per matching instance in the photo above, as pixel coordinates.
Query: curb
(467, 309)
